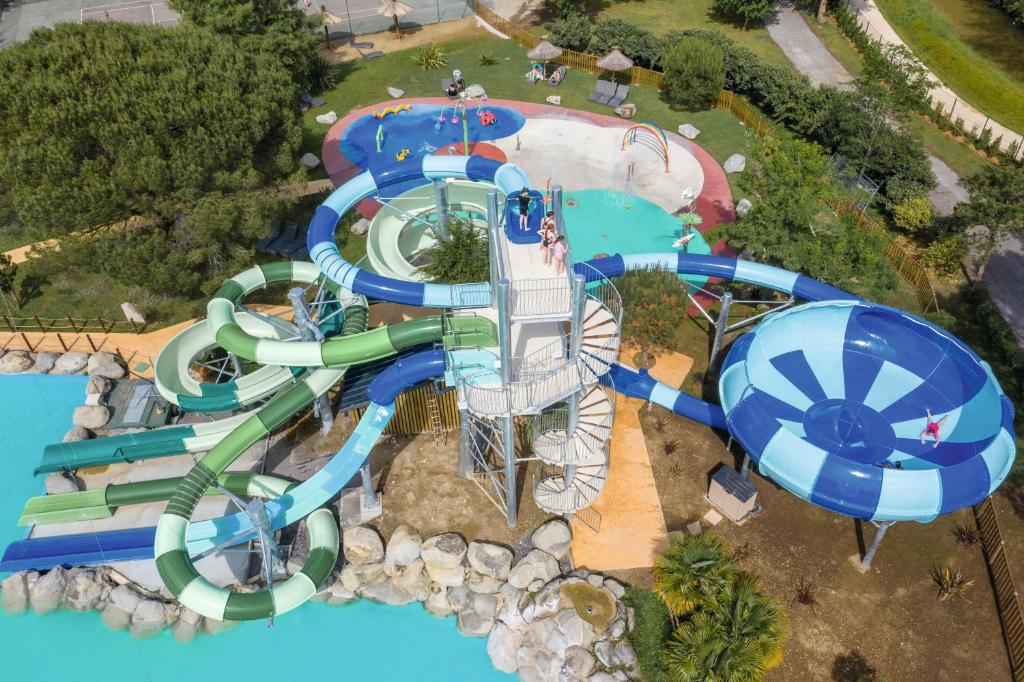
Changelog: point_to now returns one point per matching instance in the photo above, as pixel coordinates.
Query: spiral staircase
(571, 441)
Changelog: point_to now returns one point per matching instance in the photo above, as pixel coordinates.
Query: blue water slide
(324, 252)
(137, 543)
(830, 398)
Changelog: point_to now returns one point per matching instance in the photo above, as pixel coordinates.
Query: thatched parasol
(396, 10)
(545, 52)
(615, 61)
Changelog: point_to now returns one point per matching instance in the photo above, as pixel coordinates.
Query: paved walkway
(1004, 278)
(632, 532)
(791, 33)
(874, 22)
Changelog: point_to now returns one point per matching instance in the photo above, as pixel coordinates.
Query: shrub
(487, 59)
(952, 583)
(639, 44)
(320, 74)
(1013, 8)
(652, 299)
(693, 572)
(461, 259)
(8, 277)
(563, 8)
(945, 254)
(912, 215)
(430, 56)
(694, 72)
(571, 32)
(966, 536)
(651, 629)
(743, 10)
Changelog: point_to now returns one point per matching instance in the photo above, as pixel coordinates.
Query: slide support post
(745, 467)
(556, 207)
(441, 201)
(579, 303)
(508, 443)
(504, 331)
(494, 253)
(465, 445)
(720, 327)
(310, 332)
(865, 563)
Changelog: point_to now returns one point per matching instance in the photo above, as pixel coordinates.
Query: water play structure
(649, 135)
(828, 397)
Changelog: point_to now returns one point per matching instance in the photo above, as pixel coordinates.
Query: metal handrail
(553, 426)
(547, 386)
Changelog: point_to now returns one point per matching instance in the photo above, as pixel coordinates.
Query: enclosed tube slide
(324, 252)
(172, 549)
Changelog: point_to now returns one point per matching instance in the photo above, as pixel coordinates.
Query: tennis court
(140, 12)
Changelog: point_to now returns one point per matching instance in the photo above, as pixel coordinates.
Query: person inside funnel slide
(932, 428)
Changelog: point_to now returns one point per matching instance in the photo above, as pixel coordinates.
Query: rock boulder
(360, 227)
(48, 592)
(554, 537)
(14, 593)
(90, 417)
(106, 365)
(44, 362)
(537, 565)
(84, 591)
(330, 118)
(70, 363)
(362, 545)
(77, 433)
(735, 163)
(490, 559)
(503, 648)
(743, 207)
(15, 362)
(149, 619)
(689, 131)
(309, 161)
(187, 626)
(388, 593)
(395, 93)
(444, 551)
(58, 483)
(403, 547)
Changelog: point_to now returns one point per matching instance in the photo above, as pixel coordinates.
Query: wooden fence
(1007, 599)
(908, 268)
(412, 416)
(70, 325)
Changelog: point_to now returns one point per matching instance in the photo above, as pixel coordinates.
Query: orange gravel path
(632, 532)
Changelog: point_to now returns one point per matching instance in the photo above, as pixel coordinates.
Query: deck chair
(603, 91)
(296, 245)
(286, 238)
(621, 93)
(262, 245)
(372, 54)
(556, 78)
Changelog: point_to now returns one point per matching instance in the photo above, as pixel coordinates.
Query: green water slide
(89, 505)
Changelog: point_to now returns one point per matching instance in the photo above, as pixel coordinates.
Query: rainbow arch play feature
(650, 135)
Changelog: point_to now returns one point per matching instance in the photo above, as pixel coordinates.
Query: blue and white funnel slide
(323, 250)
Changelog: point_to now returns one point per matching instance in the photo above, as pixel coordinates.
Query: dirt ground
(888, 620)
(387, 41)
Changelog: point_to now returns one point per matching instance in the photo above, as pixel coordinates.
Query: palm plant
(693, 571)
(737, 638)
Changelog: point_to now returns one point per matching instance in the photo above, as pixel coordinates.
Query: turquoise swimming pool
(603, 221)
(358, 641)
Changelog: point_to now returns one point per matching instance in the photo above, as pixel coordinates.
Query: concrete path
(633, 532)
(791, 33)
(811, 58)
(873, 21)
(1004, 278)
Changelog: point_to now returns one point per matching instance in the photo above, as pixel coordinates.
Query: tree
(694, 72)
(637, 43)
(693, 572)
(572, 32)
(738, 638)
(8, 276)
(912, 215)
(744, 10)
(274, 26)
(461, 259)
(103, 121)
(997, 203)
(822, 9)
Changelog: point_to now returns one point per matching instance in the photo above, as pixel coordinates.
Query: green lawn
(366, 83)
(660, 16)
(12, 239)
(934, 38)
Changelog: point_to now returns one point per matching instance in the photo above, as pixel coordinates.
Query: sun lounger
(621, 93)
(557, 77)
(603, 91)
(262, 245)
(373, 54)
(286, 238)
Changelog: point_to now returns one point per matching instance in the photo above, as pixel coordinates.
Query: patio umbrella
(396, 10)
(545, 52)
(615, 61)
